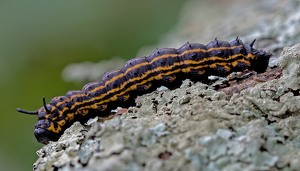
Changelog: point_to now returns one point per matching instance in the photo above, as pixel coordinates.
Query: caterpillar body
(167, 67)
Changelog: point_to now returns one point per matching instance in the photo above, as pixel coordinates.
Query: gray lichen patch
(64, 150)
(289, 61)
(225, 148)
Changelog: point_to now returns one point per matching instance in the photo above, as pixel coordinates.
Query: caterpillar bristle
(27, 112)
(45, 106)
(252, 43)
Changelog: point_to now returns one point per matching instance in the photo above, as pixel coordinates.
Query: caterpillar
(141, 75)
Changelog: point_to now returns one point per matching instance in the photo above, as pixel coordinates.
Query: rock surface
(195, 127)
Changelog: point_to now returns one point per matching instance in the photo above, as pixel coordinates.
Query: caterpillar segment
(141, 75)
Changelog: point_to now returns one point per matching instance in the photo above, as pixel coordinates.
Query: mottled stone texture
(192, 128)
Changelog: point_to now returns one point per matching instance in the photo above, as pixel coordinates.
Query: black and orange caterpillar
(141, 75)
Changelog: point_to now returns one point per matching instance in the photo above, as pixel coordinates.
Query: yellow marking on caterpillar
(172, 79)
(251, 56)
(133, 87)
(159, 57)
(47, 116)
(134, 59)
(126, 97)
(201, 72)
(93, 83)
(84, 112)
(55, 130)
(114, 98)
(228, 68)
(67, 100)
(114, 71)
(235, 63)
(139, 65)
(142, 83)
(128, 89)
(94, 106)
(210, 49)
(186, 70)
(70, 116)
(158, 77)
(104, 107)
(155, 59)
(148, 86)
(60, 113)
(61, 123)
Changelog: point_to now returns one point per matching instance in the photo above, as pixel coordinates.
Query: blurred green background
(39, 38)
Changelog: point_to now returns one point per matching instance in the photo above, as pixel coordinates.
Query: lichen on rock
(192, 128)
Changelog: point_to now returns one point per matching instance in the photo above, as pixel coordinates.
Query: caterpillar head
(46, 129)
(260, 60)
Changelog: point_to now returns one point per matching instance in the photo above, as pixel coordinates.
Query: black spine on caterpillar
(142, 75)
